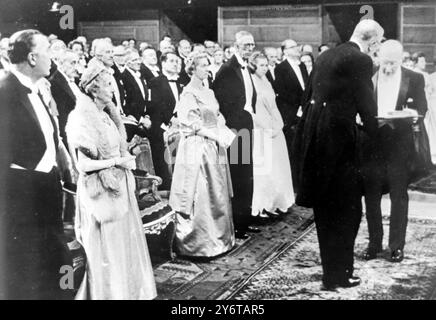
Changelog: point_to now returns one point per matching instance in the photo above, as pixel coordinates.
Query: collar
(240, 60)
(294, 63)
(65, 76)
(174, 77)
(136, 74)
(395, 76)
(24, 80)
(120, 68)
(360, 46)
(154, 67)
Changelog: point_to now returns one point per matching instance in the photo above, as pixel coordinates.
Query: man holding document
(387, 158)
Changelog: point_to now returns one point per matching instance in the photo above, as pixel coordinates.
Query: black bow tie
(172, 80)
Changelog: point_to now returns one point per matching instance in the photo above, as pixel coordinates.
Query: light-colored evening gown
(109, 227)
(272, 179)
(430, 117)
(201, 190)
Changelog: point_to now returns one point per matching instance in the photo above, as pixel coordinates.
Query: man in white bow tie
(164, 95)
(387, 158)
(136, 94)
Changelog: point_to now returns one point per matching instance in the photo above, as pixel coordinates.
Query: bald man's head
(391, 49)
(390, 57)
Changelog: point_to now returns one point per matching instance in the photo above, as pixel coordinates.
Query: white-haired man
(329, 179)
(136, 94)
(149, 66)
(236, 95)
(183, 50)
(386, 158)
(290, 83)
(104, 53)
(271, 55)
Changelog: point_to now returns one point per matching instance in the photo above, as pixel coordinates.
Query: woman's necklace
(105, 117)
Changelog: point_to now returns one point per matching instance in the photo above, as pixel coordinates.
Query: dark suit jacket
(146, 73)
(162, 102)
(289, 91)
(32, 199)
(230, 92)
(183, 76)
(119, 79)
(22, 141)
(135, 101)
(341, 88)
(411, 87)
(271, 79)
(65, 100)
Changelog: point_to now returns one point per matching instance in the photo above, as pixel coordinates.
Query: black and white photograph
(241, 151)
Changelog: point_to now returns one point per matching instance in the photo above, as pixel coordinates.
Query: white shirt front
(48, 161)
(247, 84)
(73, 86)
(272, 69)
(137, 77)
(296, 67)
(154, 70)
(173, 85)
(387, 92)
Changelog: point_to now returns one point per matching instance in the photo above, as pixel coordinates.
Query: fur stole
(86, 132)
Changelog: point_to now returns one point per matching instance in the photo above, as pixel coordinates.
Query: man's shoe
(253, 229)
(241, 235)
(371, 254)
(350, 282)
(397, 255)
(329, 286)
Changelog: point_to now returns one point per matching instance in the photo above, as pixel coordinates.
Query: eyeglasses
(247, 45)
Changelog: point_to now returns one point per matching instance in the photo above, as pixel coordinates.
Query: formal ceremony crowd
(237, 136)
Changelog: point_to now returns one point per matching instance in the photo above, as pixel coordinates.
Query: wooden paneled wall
(145, 25)
(418, 29)
(141, 30)
(270, 25)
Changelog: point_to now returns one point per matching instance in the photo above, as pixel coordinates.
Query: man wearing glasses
(236, 95)
(290, 83)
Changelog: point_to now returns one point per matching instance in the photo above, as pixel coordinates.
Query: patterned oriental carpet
(296, 273)
(219, 278)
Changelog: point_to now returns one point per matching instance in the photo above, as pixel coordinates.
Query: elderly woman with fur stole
(107, 216)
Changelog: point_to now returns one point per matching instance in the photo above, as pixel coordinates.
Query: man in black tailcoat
(388, 159)
(136, 96)
(236, 96)
(165, 91)
(31, 192)
(289, 84)
(329, 178)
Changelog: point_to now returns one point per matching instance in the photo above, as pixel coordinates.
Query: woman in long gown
(430, 118)
(107, 223)
(201, 190)
(272, 180)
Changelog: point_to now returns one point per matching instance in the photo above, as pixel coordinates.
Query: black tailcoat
(229, 90)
